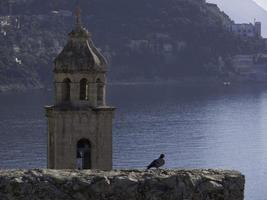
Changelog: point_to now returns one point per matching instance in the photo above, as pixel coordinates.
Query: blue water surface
(196, 127)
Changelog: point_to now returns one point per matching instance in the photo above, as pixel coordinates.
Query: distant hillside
(243, 11)
(143, 40)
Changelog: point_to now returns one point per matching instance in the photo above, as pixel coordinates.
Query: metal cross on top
(78, 15)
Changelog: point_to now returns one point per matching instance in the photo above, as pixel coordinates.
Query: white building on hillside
(247, 30)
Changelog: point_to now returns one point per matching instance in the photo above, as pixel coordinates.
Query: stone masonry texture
(46, 184)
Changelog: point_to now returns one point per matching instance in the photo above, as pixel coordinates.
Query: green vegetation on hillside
(142, 39)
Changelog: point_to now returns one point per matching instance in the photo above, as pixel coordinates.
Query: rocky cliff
(121, 185)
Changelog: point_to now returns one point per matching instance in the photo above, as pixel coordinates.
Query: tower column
(75, 91)
(104, 95)
(58, 92)
(93, 94)
(100, 94)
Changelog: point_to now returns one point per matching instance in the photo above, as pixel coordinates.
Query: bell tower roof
(79, 54)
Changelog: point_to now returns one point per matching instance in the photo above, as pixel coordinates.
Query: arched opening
(84, 89)
(100, 92)
(83, 154)
(66, 89)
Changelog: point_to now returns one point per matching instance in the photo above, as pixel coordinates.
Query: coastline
(183, 82)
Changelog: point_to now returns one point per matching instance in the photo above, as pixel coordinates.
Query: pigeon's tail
(148, 167)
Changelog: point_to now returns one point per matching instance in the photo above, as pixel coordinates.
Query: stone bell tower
(80, 122)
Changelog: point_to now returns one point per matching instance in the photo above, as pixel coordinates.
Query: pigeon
(157, 163)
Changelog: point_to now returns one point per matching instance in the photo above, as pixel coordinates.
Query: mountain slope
(143, 40)
(243, 11)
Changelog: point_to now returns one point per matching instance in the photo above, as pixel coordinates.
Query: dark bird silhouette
(157, 163)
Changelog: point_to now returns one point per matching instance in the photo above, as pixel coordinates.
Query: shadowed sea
(196, 127)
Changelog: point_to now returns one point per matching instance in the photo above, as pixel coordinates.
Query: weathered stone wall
(121, 185)
(67, 127)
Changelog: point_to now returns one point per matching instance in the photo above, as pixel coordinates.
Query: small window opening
(66, 89)
(83, 154)
(84, 89)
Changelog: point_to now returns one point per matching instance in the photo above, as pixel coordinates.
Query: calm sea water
(196, 127)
